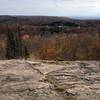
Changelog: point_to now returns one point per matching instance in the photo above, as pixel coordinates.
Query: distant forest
(49, 38)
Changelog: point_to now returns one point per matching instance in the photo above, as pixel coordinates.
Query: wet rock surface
(39, 80)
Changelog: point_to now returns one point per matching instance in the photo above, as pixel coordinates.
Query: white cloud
(88, 8)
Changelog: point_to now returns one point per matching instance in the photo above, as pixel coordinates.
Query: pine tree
(10, 45)
(15, 48)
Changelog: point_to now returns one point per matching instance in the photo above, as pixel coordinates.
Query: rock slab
(39, 80)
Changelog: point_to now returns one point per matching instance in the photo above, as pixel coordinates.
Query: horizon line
(71, 17)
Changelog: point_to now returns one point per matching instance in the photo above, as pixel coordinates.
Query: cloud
(50, 7)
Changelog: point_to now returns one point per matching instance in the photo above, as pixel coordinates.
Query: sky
(68, 8)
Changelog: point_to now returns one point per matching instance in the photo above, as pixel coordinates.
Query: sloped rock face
(25, 80)
(19, 80)
(80, 80)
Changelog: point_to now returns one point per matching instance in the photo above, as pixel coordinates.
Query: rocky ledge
(49, 80)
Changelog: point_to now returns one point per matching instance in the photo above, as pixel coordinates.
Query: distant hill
(48, 20)
(34, 20)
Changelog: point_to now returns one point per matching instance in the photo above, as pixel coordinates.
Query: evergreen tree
(16, 48)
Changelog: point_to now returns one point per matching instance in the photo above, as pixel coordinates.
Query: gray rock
(28, 80)
(20, 80)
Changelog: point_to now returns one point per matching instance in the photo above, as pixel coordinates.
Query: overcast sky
(69, 8)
